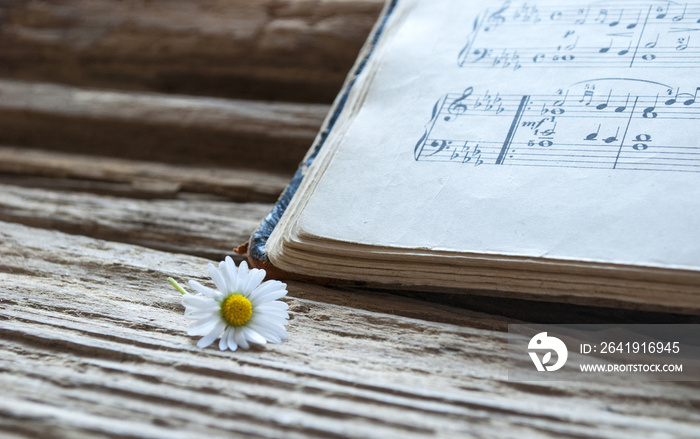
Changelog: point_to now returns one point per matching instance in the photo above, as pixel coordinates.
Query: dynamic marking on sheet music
(656, 34)
(607, 123)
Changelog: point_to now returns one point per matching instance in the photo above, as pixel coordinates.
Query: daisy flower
(244, 310)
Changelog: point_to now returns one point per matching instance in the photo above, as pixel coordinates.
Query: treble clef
(458, 106)
(496, 18)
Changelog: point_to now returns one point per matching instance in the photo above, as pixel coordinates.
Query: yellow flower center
(236, 310)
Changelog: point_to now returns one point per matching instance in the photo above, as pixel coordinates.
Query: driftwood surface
(291, 50)
(93, 345)
(143, 139)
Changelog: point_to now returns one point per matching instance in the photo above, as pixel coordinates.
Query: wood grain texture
(140, 178)
(207, 228)
(293, 50)
(273, 136)
(93, 345)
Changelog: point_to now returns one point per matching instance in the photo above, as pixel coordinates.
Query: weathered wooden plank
(139, 178)
(93, 344)
(147, 126)
(295, 50)
(207, 228)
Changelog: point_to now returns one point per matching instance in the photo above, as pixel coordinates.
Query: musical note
(612, 139)
(616, 22)
(587, 94)
(604, 105)
(681, 16)
(602, 15)
(560, 102)
(593, 135)
(633, 25)
(584, 13)
(549, 130)
(649, 111)
(652, 44)
(672, 100)
(693, 97)
(640, 138)
(622, 108)
(555, 36)
(662, 12)
(625, 51)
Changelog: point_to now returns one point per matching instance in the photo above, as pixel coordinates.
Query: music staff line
(620, 42)
(612, 106)
(567, 155)
(580, 125)
(627, 15)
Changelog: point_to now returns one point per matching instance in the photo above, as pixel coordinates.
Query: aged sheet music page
(561, 130)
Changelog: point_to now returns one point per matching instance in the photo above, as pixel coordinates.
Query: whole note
(639, 146)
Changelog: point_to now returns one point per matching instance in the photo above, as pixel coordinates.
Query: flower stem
(177, 285)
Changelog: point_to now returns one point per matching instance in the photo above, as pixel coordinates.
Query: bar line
(513, 129)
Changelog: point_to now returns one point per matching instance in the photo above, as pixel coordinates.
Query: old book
(539, 149)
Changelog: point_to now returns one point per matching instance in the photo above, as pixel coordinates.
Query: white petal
(269, 335)
(200, 313)
(217, 278)
(230, 341)
(255, 276)
(253, 336)
(203, 326)
(271, 326)
(190, 300)
(239, 337)
(222, 341)
(213, 335)
(268, 291)
(206, 291)
(274, 306)
(230, 274)
(242, 272)
(271, 315)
